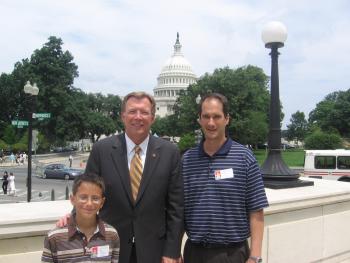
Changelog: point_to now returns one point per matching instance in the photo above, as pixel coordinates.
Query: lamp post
(30, 91)
(276, 173)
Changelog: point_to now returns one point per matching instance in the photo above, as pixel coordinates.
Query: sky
(121, 45)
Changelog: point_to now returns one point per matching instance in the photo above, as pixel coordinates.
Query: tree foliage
(323, 141)
(246, 89)
(74, 114)
(333, 113)
(298, 127)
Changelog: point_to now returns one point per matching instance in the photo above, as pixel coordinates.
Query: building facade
(176, 75)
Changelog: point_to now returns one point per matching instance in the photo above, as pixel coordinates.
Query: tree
(186, 142)
(323, 140)
(246, 89)
(54, 71)
(333, 113)
(298, 126)
(103, 115)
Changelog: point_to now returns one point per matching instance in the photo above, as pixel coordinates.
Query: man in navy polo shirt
(224, 193)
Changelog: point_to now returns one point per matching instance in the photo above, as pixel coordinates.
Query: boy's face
(88, 200)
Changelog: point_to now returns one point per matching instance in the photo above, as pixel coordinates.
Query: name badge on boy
(224, 174)
(99, 251)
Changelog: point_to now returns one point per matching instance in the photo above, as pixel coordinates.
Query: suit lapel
(152, 158)
(120, 160)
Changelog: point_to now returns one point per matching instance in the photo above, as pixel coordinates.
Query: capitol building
(176, 75)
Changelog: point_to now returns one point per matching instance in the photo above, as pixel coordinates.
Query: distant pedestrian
(70, 160)
(11, 185)
(5, 182)
(12, 158)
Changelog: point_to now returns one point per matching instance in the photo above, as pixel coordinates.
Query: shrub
(323, 141)
(186, 142)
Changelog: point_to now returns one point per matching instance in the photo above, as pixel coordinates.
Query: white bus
(328, 164)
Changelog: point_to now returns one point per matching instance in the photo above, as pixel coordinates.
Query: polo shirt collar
(223, 150)
(73, 228)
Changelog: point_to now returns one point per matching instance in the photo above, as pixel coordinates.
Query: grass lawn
(290, 157)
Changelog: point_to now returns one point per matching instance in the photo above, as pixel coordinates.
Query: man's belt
(217, 245)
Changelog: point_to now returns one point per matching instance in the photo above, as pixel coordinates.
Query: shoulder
(235, 146)
(110, 141)
(159, 142)
(191, 152)
(58, 233)
(111, 232)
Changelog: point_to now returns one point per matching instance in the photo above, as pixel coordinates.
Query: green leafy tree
(297, 129)
(97, 125)
(10, 135)
(323, 140)
(246, 89)
(186, 142)
(102, 115)
(333, 113)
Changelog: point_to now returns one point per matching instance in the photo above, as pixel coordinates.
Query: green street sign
(19, 123)
(41, 116)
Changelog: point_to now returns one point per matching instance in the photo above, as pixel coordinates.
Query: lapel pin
(153, 155)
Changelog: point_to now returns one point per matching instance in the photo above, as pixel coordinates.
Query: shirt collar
(130, 145)
(73, 229)
(223, 150)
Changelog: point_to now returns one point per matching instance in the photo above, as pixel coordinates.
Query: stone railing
(307, 224)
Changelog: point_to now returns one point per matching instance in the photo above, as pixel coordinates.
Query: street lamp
(30, 91)
(276, 173)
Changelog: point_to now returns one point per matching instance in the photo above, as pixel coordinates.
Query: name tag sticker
(99, 251)
(223, 174)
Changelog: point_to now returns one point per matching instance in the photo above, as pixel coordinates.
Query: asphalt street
(41, 188)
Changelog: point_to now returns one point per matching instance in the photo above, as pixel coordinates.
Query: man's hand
(171, 260)
(63, 221)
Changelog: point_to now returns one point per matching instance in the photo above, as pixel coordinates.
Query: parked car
(60, 171)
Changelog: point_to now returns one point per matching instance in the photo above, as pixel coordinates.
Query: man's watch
(256, 259)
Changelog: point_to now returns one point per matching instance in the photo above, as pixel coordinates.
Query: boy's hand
(63, 221)
(171, 260)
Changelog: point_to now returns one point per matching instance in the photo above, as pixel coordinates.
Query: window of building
(343, 162)
(325, 162)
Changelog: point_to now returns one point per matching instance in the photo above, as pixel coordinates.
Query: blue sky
(121, 46)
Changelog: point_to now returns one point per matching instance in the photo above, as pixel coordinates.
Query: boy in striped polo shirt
(86, 238)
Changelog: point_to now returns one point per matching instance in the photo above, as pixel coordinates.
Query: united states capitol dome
(176, 75)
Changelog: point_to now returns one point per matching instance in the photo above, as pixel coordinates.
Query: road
(41, 188)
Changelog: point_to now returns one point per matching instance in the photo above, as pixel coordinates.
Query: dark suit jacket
(156, 218)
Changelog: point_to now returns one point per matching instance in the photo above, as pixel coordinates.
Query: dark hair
(139, 95)
(219, 97)
(88, 178)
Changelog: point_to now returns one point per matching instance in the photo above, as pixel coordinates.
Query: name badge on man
(99, 251)
(223, 174)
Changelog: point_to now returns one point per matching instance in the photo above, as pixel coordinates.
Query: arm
(175, 212)
(256, 220)
(47, 253)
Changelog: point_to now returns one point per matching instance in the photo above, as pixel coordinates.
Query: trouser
(209, 253)
(4, 187)
(133, 258)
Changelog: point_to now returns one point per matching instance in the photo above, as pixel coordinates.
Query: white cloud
(121, 46)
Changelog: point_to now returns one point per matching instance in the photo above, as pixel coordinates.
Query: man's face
(88, 200)
(137, 119)
(213, 120)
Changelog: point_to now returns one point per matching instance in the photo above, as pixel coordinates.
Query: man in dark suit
(148, 215)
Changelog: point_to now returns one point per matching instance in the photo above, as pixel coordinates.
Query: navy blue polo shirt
(220, 192)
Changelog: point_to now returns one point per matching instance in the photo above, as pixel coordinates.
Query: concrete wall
(307, 224)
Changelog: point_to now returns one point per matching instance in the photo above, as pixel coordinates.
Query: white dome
(177, 63)
(176, 75)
